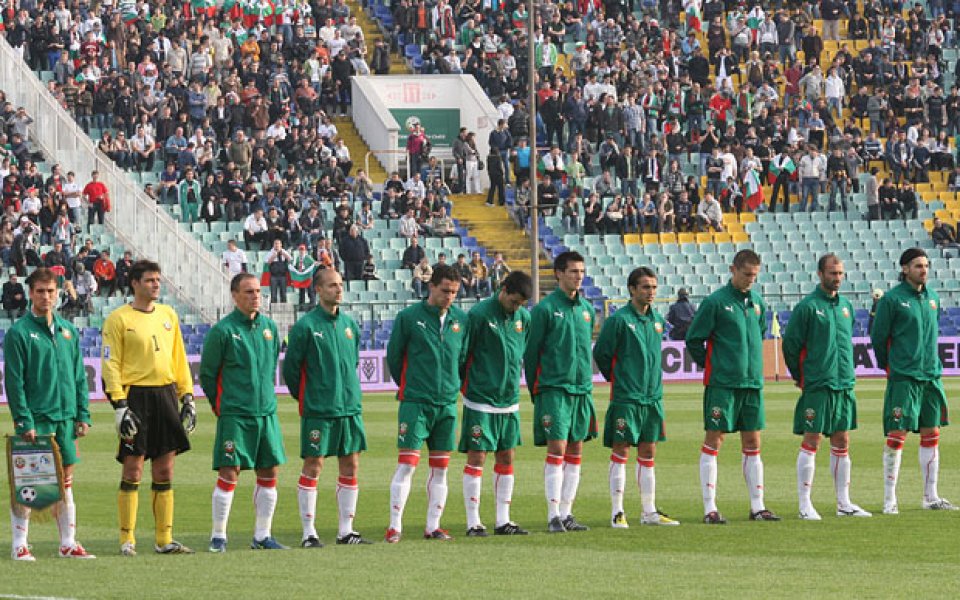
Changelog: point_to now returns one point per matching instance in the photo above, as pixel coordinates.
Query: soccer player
(427, 348)
(498, 329)
(237, 371)
(320, 369)
(628, 355)
(145, 371)
(726, 340)
(46, 388)
(559, 371)
(904, 337)
(818, 350)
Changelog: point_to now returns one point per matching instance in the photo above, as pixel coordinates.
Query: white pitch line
(18, 597)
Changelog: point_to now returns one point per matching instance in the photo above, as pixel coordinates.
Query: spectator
(709, 214)
(422, 273)
(498, 271)
(354, 250)
(97, 197)
(945, 236)
(680, 315)
(85, 286)
(234, 259)
(468, 283)
(412, 254)
(369, 269)
(480, 276)
(105, 273)
(14, 298)
(278, 266)
(255, 229)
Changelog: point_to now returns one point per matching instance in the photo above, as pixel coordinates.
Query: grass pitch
(863, 558)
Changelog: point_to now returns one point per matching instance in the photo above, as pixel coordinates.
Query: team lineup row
(437, 353)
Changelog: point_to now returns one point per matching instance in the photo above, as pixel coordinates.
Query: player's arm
(396, 349)
(539, 321)
(794, 340)
(700, 330)
(112, 359)
(606, 347)
(211, 361)
(180, 366)
(762, 318)
(465, 346)
(294, 358)
(80, 383)
(14, 355)
(880, 332)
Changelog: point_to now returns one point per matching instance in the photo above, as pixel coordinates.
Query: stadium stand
(264, 98)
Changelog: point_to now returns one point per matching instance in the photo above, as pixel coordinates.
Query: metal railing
(194, 274)
(373, 153)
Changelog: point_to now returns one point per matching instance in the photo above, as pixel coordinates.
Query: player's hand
(81, 429)
(188, 413)
(29, 436)
(128, 423)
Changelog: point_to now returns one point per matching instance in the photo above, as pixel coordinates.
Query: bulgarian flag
(753, 193)
(233, 9)
(265, 275)
(774, 170)
(301, 272)
(257, 11)
(693, 14)
(128, 11)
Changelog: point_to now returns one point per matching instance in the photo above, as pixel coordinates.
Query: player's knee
(312, 466)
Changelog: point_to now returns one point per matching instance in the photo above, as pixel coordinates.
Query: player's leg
(933, 414)
(617, 480)
(806, 467)
(750, 421)
(348, 490)
(161, 488)
(20, 526)
(892, 456)
(441, 441)
(844, 420)
(550, 430)
(221, 503)
(265, 504)
(65, 511)
(583, 426)
(553, 483)
(503, 482)
(472, 486)
(712, 441)
(900, 414)
(307, 500)
(411, 432)
(650, 425)
(128, 501)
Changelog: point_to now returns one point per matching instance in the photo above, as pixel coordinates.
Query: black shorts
(161, 431)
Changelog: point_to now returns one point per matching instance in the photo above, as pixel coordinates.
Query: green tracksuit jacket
(320, 366)
(238, 365)
(497, 342)
(44, 375)
(424, 356)
(628, 355)
(818, 345)
(726, 338)
(559, 353)
(905, 331)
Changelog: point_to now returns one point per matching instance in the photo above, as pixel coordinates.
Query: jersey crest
(66, 333)
(267, 334)
(167, 325)
(348, 332)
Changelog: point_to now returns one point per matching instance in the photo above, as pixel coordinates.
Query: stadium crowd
(651, 117)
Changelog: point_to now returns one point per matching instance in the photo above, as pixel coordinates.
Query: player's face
(148, 288)
(43, 295)
(916, 271)
(644, 292)
(571, 279)
(247, 297)
(330, 289)
(443, 294)
(744, 277)
(511, 302)
(832, 276)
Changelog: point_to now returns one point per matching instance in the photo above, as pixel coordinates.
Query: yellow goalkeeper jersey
(144, 349)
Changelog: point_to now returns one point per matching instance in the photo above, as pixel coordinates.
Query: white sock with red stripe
(307, 501)
(708, 478)
(436, 491)
(221, 502)
(930, 465)
(806, 467)
(265, 503)
(503, 489)
(571, 481)
(472, 484)
(618, 480)
(840, 467)
(19, 525)
(647, 482)
(553, 484)
(400, 486)
(892, 454)
(753, 475)
(347, 492)
(67, 516)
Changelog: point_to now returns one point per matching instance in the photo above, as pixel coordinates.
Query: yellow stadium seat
(721, 238)
(650, 238)
(631, 238)
(733, 227)
(740, 237)
(686, 238)
(928, 224)
(748, 217)
(668, 238)
(704, 238)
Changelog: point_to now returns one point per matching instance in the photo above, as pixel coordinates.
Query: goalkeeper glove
(188, 413)
(128, 423)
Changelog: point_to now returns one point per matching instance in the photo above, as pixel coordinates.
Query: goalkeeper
(145, 372)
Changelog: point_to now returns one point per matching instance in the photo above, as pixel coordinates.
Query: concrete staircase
(358, 150)
(497, 232)
(371, 33)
